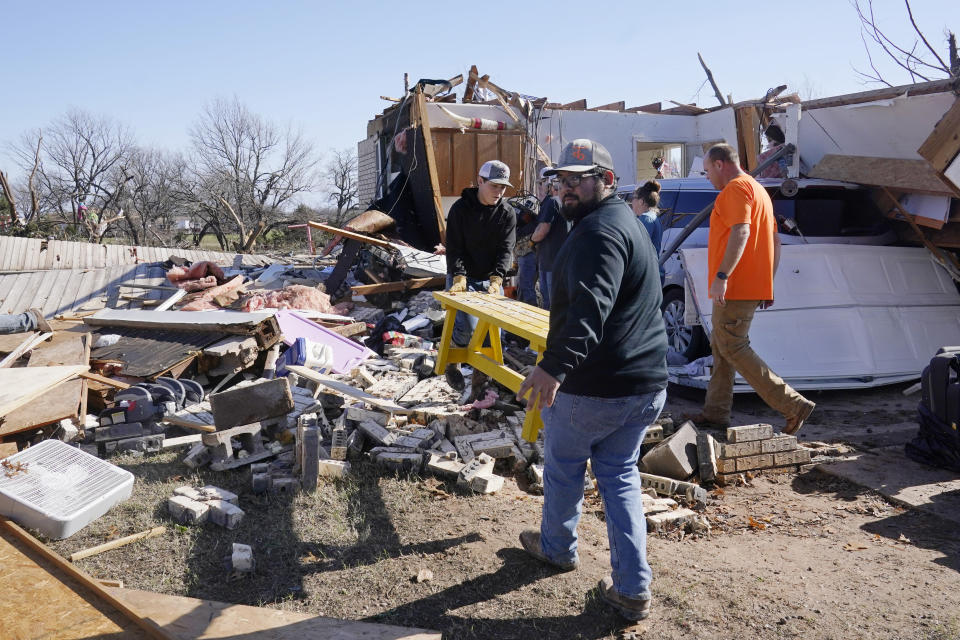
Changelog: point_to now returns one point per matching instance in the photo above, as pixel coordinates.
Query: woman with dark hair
(644, 204)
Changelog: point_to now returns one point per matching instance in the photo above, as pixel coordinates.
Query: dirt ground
(788, 556)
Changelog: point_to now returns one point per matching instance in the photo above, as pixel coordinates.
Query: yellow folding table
(494, 313)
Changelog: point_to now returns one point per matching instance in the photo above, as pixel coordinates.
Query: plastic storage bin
(61, 489)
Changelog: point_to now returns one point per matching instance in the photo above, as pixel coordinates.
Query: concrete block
(189, 492)
(224, 513)
(486, 483)
(654, 434)
(198, 456)
(187, 511)
(458, 425)
(706, 457)
(496, 448)
(308, 446)
(652, 506)
(749, 432)
(748, 448)
(260, 482)
(358, 415)
(401, 461)
(242, 558)
(210, 492)
(798, 456)
(444, 446)
(338, 444)
(251, 403)
(750, 463)
(663, 486)
(145, 444)
(333, 468)
(445, 467)
(726, 465)
(377, 433)
(778, 444)
(676, 456)
(670, 519)
(285, 484)
(482, 464)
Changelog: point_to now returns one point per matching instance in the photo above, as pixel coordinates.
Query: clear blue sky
(154, 65)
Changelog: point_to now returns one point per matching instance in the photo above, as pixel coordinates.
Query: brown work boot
(794, 423)
(530, 541)
(703, 422)
(630, 608)
(42, 324)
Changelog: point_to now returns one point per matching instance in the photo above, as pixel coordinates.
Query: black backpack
(938, 443)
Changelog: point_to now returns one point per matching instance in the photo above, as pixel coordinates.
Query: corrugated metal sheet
(61, 291)
(30, 254)
(147, 353)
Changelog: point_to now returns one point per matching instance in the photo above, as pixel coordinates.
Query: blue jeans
(608, 432)
(464, 323)
(546, 277)
(17, 323)
(527, 276)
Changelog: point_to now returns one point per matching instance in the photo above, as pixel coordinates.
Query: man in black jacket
(481, 232)
(602, 380)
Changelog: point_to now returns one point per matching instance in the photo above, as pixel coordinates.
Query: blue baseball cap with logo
(582, 155)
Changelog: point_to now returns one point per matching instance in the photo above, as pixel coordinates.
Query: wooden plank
(464, 161)
(400, 285)
(342, 387)
(579, 105)
(225, 321)
(29, 339)
(613, 106)
(511, 153)
(488, 148)
(431, 165)
(443, 151)
(896, 173)
(943, 143)
(748, 136)
(20, 386)
(110, 382)
(919, 89)
(119, 542)
(193, 619)
(353, 235)
(49, 557)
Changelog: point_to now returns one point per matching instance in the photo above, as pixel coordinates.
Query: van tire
(691, 342)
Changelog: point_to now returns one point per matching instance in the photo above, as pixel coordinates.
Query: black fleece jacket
(480, 238)
(606, 336)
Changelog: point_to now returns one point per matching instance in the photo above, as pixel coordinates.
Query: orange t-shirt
(742, 201)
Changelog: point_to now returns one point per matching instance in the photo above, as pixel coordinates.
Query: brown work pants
(732, 354)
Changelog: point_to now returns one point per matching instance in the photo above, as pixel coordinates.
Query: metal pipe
(697, 219)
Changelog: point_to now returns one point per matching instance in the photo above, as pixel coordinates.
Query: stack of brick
(756, 448)
(196, 506)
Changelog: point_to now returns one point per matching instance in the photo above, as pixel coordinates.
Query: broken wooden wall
(459, 156)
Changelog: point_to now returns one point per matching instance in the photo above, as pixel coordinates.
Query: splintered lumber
(29, 343)
(20, 386)
(190, 618)
(400, 285)
(119, 542)
(353, 235)
(345, 389)
(110, 382)
(53, 595)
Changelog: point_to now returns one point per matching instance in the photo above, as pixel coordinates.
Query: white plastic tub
(61, 489)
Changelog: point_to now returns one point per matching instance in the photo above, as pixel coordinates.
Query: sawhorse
(493, 313)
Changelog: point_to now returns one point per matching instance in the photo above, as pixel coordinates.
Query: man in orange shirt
(743, 253)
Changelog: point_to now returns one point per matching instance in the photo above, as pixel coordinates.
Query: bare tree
(342, 183)
(75, 170)
(919, 58)
(246, 171)
(152, 197)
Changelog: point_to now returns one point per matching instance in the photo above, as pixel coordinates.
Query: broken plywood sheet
(890, 472)
(346, 389)
(193, 619)
(895, 173)
(59, 607)
(20, 386)
(66, 400)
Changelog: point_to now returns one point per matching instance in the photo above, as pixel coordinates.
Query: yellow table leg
(444, 352)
